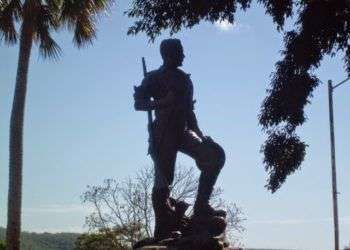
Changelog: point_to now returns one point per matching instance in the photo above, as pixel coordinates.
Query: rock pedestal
(198, 233)
(193, 242)
(174, 248)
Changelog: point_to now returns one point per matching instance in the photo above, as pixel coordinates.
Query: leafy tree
(37, 19)
(2, 245)
(43, 241)
(101, 240)
(321, 28)
(126, 207)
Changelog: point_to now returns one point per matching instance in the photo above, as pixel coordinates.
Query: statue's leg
(210, 159)
(164, 164)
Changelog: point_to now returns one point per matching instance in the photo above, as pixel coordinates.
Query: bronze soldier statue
(169, 92)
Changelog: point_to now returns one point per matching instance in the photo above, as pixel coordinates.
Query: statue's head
(172, 52)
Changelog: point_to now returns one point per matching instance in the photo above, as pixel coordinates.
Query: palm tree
(37, 19)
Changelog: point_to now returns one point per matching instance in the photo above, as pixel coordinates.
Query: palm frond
(69, 12)
(85, 30)
(81, 16)
(10, 12)
(45, 21)
(3, 3)
(102, 5)
(54, 5)
(55, 8)
(15, 7)
(48, 47)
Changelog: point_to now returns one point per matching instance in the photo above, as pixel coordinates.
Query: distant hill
(45, 241)
(57, 241)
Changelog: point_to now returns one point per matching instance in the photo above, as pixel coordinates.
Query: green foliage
(284, 153)
(44, 241)
(2, 245)
(321, 28)
(46, 16)
(293, 82)
(125, 206)
(103, 239)
(157, 15)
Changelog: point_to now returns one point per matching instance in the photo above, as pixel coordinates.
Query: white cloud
(59, 208)
(65, 229)
(226, 26)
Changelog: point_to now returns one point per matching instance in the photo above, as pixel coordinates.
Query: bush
(103, 239)
(2, 245)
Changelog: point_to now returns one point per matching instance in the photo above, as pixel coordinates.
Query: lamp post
(331, 88)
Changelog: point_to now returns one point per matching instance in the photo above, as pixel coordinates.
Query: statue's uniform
(174, 130)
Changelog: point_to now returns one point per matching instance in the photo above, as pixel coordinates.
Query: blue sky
(80, 128)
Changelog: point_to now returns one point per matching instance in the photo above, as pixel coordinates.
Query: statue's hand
(207, 138)
(140, 93)
(202, 136)
(142, 104)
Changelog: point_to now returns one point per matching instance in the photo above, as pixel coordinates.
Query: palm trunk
(16, 140)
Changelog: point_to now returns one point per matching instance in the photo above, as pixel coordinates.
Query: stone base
(153, 248)
(174, 248)
(203, 234)
(193, 242)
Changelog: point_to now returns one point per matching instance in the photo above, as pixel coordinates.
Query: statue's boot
(165, 214)
(182, 221)
(208, 210)
(180, 206)
(210, 166)
(205, 218)
(209, 226)
(205, 189)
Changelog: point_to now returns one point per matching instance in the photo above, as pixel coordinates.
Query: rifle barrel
(144, 67)
(149, 112)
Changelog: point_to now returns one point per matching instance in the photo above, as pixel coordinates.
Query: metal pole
(342, 82)
(334, 175)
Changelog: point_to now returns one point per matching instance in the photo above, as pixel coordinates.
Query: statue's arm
(192, 124)
(148, 104)
(143, 94)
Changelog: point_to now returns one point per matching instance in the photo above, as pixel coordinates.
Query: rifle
(149, 116)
